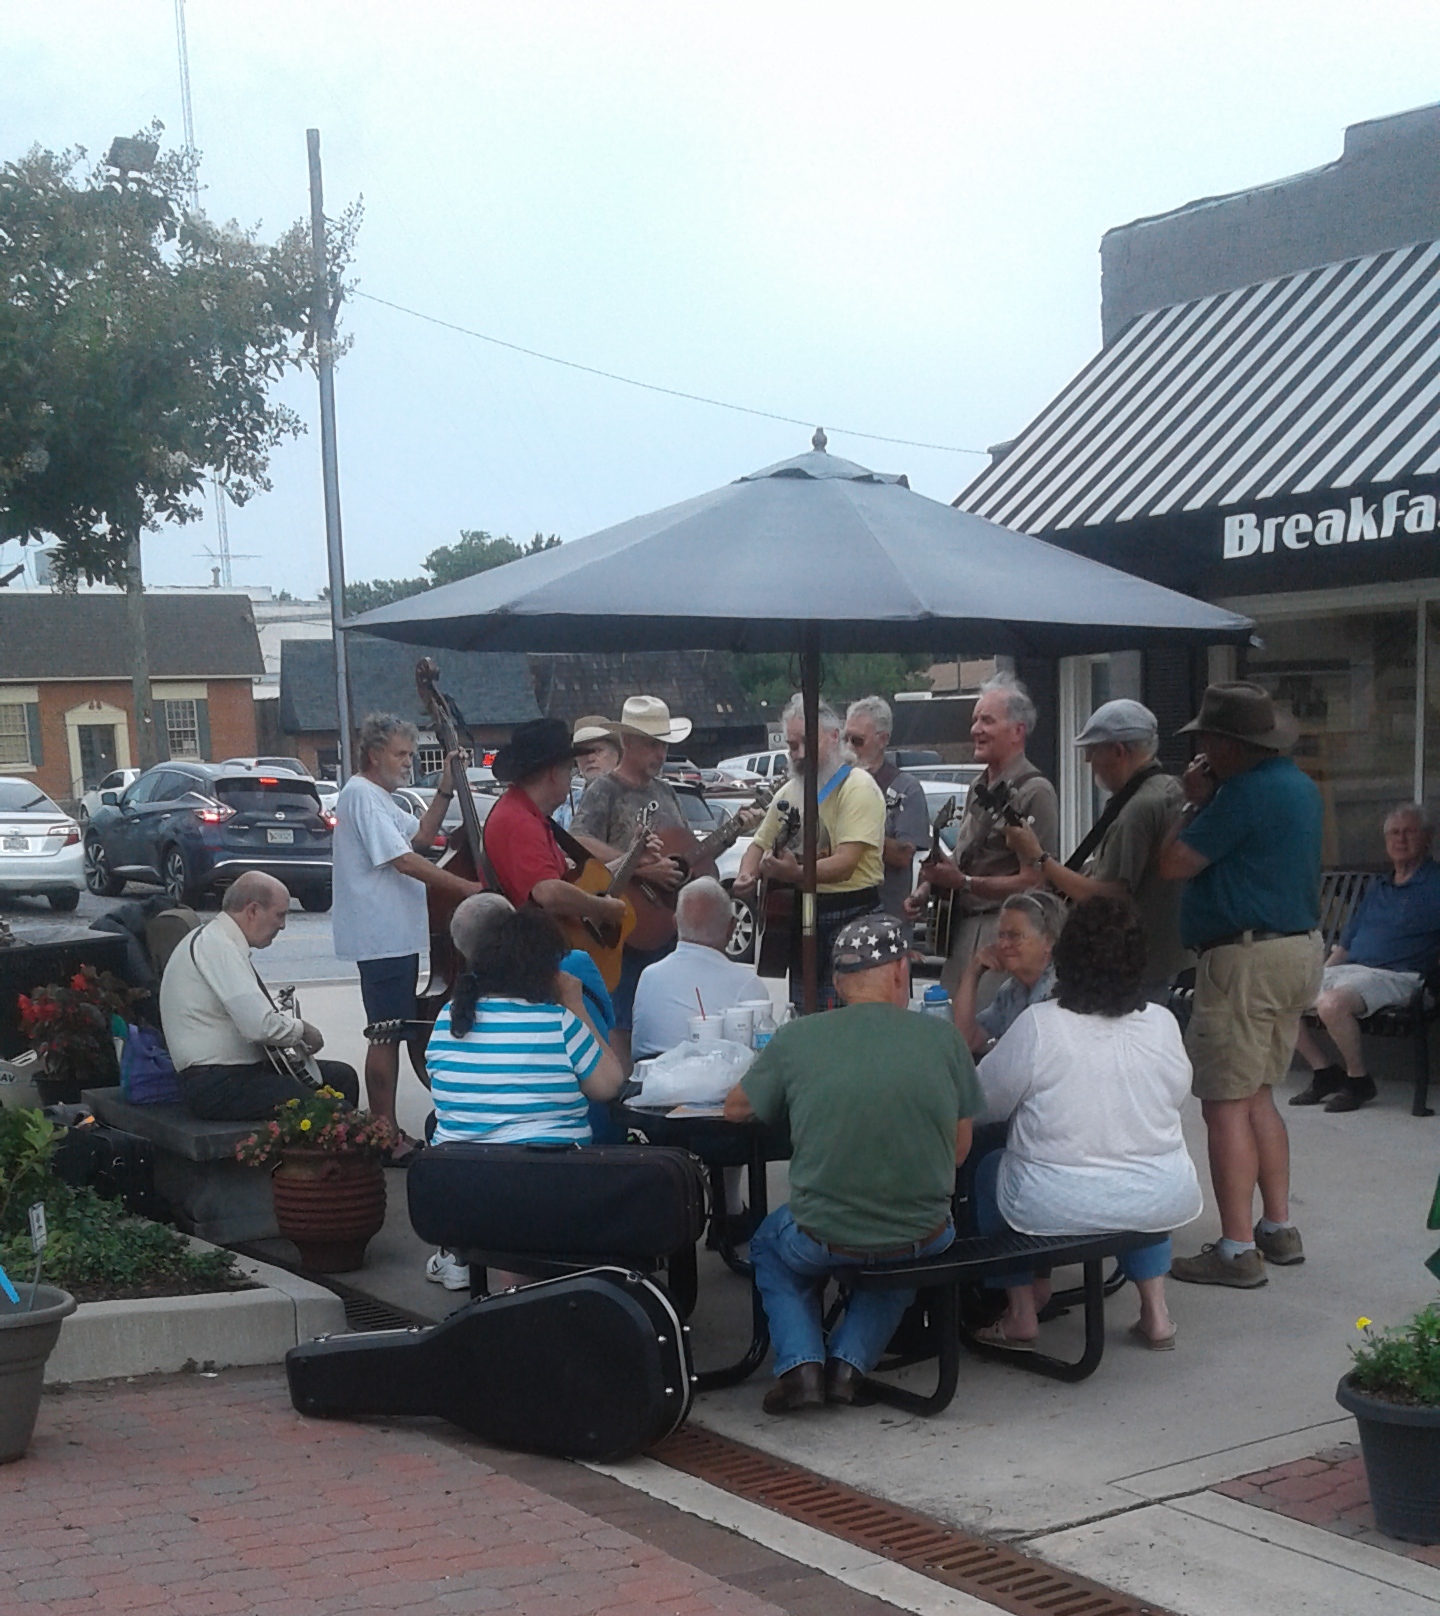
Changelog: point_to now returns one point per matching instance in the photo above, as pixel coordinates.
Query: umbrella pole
(809, 954)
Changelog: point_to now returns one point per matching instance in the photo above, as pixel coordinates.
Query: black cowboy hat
(533, 746)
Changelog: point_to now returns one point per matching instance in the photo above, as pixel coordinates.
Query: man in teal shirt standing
(1248, 843)
(879, 1102)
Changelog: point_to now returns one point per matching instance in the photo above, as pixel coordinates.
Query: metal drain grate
(990, 1571)
(365, 1313)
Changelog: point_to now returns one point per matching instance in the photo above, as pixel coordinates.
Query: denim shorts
(387, 987)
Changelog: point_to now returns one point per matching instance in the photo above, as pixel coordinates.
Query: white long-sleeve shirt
(212, 1008)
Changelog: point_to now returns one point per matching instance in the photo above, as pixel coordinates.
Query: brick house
(66, 716)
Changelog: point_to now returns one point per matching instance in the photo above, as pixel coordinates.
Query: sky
(875, 218)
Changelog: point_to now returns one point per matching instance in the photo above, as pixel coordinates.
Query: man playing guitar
(605, 823)
(535, 766)
(984, 870)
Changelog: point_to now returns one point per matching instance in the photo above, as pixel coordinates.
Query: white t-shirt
(665, 998)
(376, 913)
(1094, 1105)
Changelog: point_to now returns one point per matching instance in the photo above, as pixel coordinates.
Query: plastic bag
(693, 1074)
(147, 1074)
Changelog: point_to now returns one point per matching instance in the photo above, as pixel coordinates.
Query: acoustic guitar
(775, 903)
(605, 944)
(940, 912)
(655, 905)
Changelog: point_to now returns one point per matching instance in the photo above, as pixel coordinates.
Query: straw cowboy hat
(593, 727)
(1244, 712)
(650, 717)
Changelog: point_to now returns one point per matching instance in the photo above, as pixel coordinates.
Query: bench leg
(947, 1332)
(710, 1380)
(1040, 1363)
(1418, 1106)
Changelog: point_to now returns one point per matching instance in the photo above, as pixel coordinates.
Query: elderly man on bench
(879, 1103)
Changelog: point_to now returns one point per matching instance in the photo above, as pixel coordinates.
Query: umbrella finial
(819, 441)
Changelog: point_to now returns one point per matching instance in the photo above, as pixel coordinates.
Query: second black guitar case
(592, 1366)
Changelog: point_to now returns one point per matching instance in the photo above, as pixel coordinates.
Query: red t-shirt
(520, 843)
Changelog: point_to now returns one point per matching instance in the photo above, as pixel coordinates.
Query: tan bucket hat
(1244, 712)
(650, 717)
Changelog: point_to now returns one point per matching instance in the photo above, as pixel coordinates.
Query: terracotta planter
(27, 1337)
(330, 1206)
(1401, 1448)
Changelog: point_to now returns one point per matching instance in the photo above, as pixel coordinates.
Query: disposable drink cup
(704, 1029)
(738, 1024)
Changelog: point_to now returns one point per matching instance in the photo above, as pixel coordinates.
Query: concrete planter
(1401, 1449)
(165, 1334)
(27, 1338)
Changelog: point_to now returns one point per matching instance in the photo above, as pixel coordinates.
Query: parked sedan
(194, 827)
(40, 853)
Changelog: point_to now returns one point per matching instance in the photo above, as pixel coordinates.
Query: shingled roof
(51, 636)
(698, 685)
(489, 687)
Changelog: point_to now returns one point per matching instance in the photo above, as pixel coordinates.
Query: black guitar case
(606, 1203)
(592, 1366)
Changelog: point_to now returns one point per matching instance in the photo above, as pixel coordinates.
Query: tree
(771, 678)
(138, 346)
(476, 552)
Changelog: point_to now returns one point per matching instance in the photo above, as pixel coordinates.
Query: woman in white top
(1093, 1083)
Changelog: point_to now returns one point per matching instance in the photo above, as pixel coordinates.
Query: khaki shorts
(968, 936)
(1249, 998)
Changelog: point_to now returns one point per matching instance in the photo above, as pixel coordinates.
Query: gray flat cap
(1122, 720)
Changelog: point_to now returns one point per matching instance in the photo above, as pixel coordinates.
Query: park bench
(209, 1193)
(969, 1261)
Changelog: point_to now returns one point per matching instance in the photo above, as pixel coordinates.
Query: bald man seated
(219, 1018)
(695, 973)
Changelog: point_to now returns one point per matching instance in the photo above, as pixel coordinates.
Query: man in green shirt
(879, 1103)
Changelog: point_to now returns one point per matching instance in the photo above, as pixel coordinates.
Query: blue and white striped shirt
(515, 1077)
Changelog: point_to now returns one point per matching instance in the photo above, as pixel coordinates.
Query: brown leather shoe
(800, 1387)
(842, 1381)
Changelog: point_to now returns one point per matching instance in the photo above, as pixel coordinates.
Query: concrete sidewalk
(1112, 1477)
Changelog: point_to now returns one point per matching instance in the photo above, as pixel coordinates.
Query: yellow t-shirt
(853, 812)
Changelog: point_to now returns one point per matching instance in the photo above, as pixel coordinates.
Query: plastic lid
(934, 993)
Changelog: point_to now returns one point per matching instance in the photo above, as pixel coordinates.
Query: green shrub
(1401, 1365)
(96, 1248)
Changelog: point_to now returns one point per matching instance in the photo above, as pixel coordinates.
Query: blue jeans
(1149, 1262)
(791, 1268)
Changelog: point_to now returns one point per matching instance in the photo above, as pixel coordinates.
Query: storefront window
(1350, 679)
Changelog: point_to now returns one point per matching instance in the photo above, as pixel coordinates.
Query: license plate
(17, 844)
(275, 837)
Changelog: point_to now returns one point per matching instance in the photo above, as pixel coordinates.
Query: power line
(654, 387)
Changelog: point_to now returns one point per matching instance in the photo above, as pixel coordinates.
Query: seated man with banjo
(237, 1052)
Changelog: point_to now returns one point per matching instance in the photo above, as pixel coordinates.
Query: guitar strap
(1112, 812)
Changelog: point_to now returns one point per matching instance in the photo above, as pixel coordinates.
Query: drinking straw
(8, 1288)
(701, 1003)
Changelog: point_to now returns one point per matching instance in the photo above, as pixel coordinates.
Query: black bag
(114, 1164)
(605, 1203)
(592, 1366)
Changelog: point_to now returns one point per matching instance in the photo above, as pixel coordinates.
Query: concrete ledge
(163, 1334)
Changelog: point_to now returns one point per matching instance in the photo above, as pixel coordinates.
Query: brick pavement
(199, 1496)
(1328, 1490)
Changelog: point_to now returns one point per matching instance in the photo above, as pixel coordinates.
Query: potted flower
(326, 1171)
(1393, 1390)
(70, 1025)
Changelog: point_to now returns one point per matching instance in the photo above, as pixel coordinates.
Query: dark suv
(194, 827)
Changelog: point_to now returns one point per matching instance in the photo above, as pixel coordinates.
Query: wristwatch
(1043, 860)
(966, 885)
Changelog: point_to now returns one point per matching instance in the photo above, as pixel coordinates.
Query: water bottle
(936, 1001)
(764, 1027)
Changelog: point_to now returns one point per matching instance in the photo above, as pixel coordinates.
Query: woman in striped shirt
(515, 1055)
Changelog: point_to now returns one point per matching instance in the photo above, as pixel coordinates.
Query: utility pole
(323, 325)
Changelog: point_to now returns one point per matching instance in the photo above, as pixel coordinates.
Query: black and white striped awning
(1329, 378)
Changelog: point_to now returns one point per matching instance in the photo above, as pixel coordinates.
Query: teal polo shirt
(1261, 833)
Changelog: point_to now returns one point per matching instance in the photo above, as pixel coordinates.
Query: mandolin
(605, 944)
(655, 905)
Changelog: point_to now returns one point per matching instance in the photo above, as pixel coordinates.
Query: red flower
(79, 982)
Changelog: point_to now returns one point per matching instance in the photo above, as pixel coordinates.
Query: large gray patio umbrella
(811, 555)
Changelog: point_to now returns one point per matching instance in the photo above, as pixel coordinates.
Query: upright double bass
(465, 857)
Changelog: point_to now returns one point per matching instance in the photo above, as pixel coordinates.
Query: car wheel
(741, 946)
(316, 900)
(179, 887)
(97, 870)
(64, 902)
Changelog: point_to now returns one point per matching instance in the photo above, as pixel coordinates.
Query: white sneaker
(444, 1270)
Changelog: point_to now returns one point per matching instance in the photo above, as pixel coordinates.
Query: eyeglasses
(856, 740)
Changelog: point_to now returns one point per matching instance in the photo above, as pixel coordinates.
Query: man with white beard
(849, 867)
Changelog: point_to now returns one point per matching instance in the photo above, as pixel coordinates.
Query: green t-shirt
(872, 1094)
